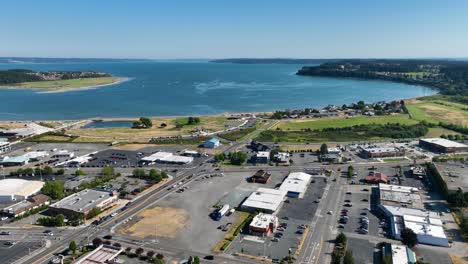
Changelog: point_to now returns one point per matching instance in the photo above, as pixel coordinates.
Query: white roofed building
(17, 189)
(166, 157)
(442, 145)
(296, 184)
(265, 200)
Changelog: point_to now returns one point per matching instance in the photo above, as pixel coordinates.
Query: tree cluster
(54, 189)
(58, 220)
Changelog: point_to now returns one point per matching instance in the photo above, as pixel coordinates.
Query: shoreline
(64, 90)
(133, 118)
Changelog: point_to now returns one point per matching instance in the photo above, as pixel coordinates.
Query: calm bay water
(190, 88)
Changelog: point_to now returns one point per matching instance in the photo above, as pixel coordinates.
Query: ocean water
(192, 88)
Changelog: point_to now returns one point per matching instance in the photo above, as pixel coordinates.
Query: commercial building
(78, 161)
(454, 175)
(63, 154)
(25, 206)
(264, 200)
(418, 171)
(296, 184)
(399, 254)
(336, 151)
(261, 176)
(191, 153)
(17, 189)
(263, 224)
(262, 157)
(14, 161)
(377, 177)
(211, 143)
(5, 146)
(82, 202)
(333, 158)
(400, 196)
(281, 157)
(382, 152)
(442, 145)
(425, 224)
(104, 254)
(35, 155)
(166, 157)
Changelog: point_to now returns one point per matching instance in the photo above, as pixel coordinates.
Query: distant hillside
(22, 60)
(273, 61)
(448, 76)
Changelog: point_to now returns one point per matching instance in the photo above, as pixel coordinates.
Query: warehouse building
(103, 254)
(82, 202)
(211, 143)
(27, 205)
(263, 224)
(17, 189)
(166, 157)
(36, 155)
(264, 200)
(427, 225)
(296, 184)
(442, 145)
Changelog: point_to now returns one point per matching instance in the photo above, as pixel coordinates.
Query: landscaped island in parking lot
(55, 81)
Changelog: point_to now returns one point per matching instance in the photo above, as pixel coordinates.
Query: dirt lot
(157, 222)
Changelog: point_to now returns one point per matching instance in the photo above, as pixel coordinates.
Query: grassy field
(436, 109)
(207, 123)
(64, 84)
(343, 122)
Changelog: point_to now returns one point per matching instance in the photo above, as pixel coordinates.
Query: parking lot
(11, 253)
(294, 213)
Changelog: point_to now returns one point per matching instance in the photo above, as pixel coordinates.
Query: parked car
(348, 205)
(5, 233)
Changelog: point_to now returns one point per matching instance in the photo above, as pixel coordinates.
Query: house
(211, 143)
(261, 176)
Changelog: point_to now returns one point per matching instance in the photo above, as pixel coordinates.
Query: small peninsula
(55, 81)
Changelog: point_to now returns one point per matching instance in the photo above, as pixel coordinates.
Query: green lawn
(64, 84)
(345, 122)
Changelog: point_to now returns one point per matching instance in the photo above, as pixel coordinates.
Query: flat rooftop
(266, 199)
(263, 154)
(455, 174)
(444, 142)
(397, 195)
(20, 187)
(296, 182)
(83, 201)
(101, 255)
(262, 220)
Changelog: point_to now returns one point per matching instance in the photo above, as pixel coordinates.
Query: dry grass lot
(207, 123)
(436, 110)
(157, 222)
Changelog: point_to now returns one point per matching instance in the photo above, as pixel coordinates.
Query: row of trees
(235, 158)
(153, 175)
(47, 170)
(58, 220)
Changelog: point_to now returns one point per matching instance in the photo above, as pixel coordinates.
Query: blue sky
(241, 28)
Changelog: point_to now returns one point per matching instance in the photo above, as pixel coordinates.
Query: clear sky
(240, 28)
